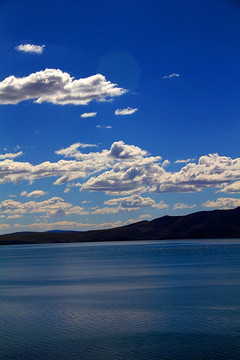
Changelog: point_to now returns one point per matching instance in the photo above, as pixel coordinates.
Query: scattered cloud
(87, 115)
(140, 218)
(104, 127)
(222, 203)
(10, 155)
(49, 208)
(171, 76)
(4, 226)
(165, 163)
(127, 111)
(232, 188)
(36, 193)
(109, 225)
(57, 87)
(179, 206)
(23, 193)
(15, 216)
(125, 170)
(129, 203)
(30, 48)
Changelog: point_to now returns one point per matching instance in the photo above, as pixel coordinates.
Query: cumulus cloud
(57, 87)
(222, 203)
(232, 188)
(52, 207)
(10, 155)
(30, 48)
(179, 206)
(171, 76)
(4, 226)
(127, 111)
(125, 169)
(129, 203)
(87, 115)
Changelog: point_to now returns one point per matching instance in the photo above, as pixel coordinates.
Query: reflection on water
(133, 300)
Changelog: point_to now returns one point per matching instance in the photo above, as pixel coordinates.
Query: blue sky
(117, 111)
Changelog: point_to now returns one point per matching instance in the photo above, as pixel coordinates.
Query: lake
(121, 300)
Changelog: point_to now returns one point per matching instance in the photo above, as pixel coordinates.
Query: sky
(113, 112)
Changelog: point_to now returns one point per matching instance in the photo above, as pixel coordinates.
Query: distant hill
(200, 225)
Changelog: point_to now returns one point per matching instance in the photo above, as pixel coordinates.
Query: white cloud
(57, 87)
(4, 226)
(222, 203)
(165, 163)
(127, 111)
(232, 188)
(108, 225)
(87, 115)
(36, 193)
(129, 203)
(125, 169)
(178, 206)
(30, 48)
(170, 76)
(183, 161)
(15, 216)
(52, 207)
(23, 193)
(104, 127)
(10, 155)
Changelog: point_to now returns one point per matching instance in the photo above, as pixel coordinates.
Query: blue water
(132, 300)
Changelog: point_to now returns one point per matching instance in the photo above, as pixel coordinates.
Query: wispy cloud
(30, 48)
(87, 115)
(171, 76)
(57, 87)
(127, 111)
(179, 206)
(104, 127)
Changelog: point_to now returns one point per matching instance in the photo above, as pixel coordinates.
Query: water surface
(121, 300)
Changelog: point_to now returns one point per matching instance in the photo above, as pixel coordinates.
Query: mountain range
(200, 225)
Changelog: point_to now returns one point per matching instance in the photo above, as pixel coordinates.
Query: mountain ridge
(198, 225)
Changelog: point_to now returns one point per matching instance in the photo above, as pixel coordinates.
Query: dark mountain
(199, 225)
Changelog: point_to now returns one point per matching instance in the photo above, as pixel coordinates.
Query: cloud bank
(126, 169)
(57, 87)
